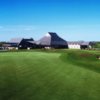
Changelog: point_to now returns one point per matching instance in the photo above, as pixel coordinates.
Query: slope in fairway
(45, 76)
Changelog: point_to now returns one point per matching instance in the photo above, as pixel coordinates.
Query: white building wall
(74, 46)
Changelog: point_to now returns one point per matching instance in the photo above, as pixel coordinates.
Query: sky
(73, 20)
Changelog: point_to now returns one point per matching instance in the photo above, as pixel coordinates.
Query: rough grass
(46, 76)
(83, 59)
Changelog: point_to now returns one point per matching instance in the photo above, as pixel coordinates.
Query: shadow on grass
(82, 59)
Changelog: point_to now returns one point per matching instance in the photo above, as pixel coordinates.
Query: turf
(48, 76)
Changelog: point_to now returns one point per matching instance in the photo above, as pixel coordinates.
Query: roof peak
(51, 32)
(48, 35)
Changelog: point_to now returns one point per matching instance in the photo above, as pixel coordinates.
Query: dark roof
(51, 38)
(6, 45)
(33, 42)
(10, 44)
(30, 39)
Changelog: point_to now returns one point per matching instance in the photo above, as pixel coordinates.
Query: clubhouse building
(50, 40)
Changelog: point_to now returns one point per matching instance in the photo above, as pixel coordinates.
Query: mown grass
(85, 59)
(46, 76)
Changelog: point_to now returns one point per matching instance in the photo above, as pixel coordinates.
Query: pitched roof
(29, 39)
(75, 42)
(85, 43)
(78, 43)
(51, 38)
(33, 42)
(15, 40)
(46, 40)
(18, 40)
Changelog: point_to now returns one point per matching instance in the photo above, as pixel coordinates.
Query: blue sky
(71, 19)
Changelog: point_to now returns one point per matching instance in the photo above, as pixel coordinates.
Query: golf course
(50, 75)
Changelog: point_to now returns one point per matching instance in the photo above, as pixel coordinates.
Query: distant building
(78, 45)
(74, 45)
(20, 43)
(52, 40)
(86, 45)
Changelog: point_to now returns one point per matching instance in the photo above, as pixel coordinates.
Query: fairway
(42, 75)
